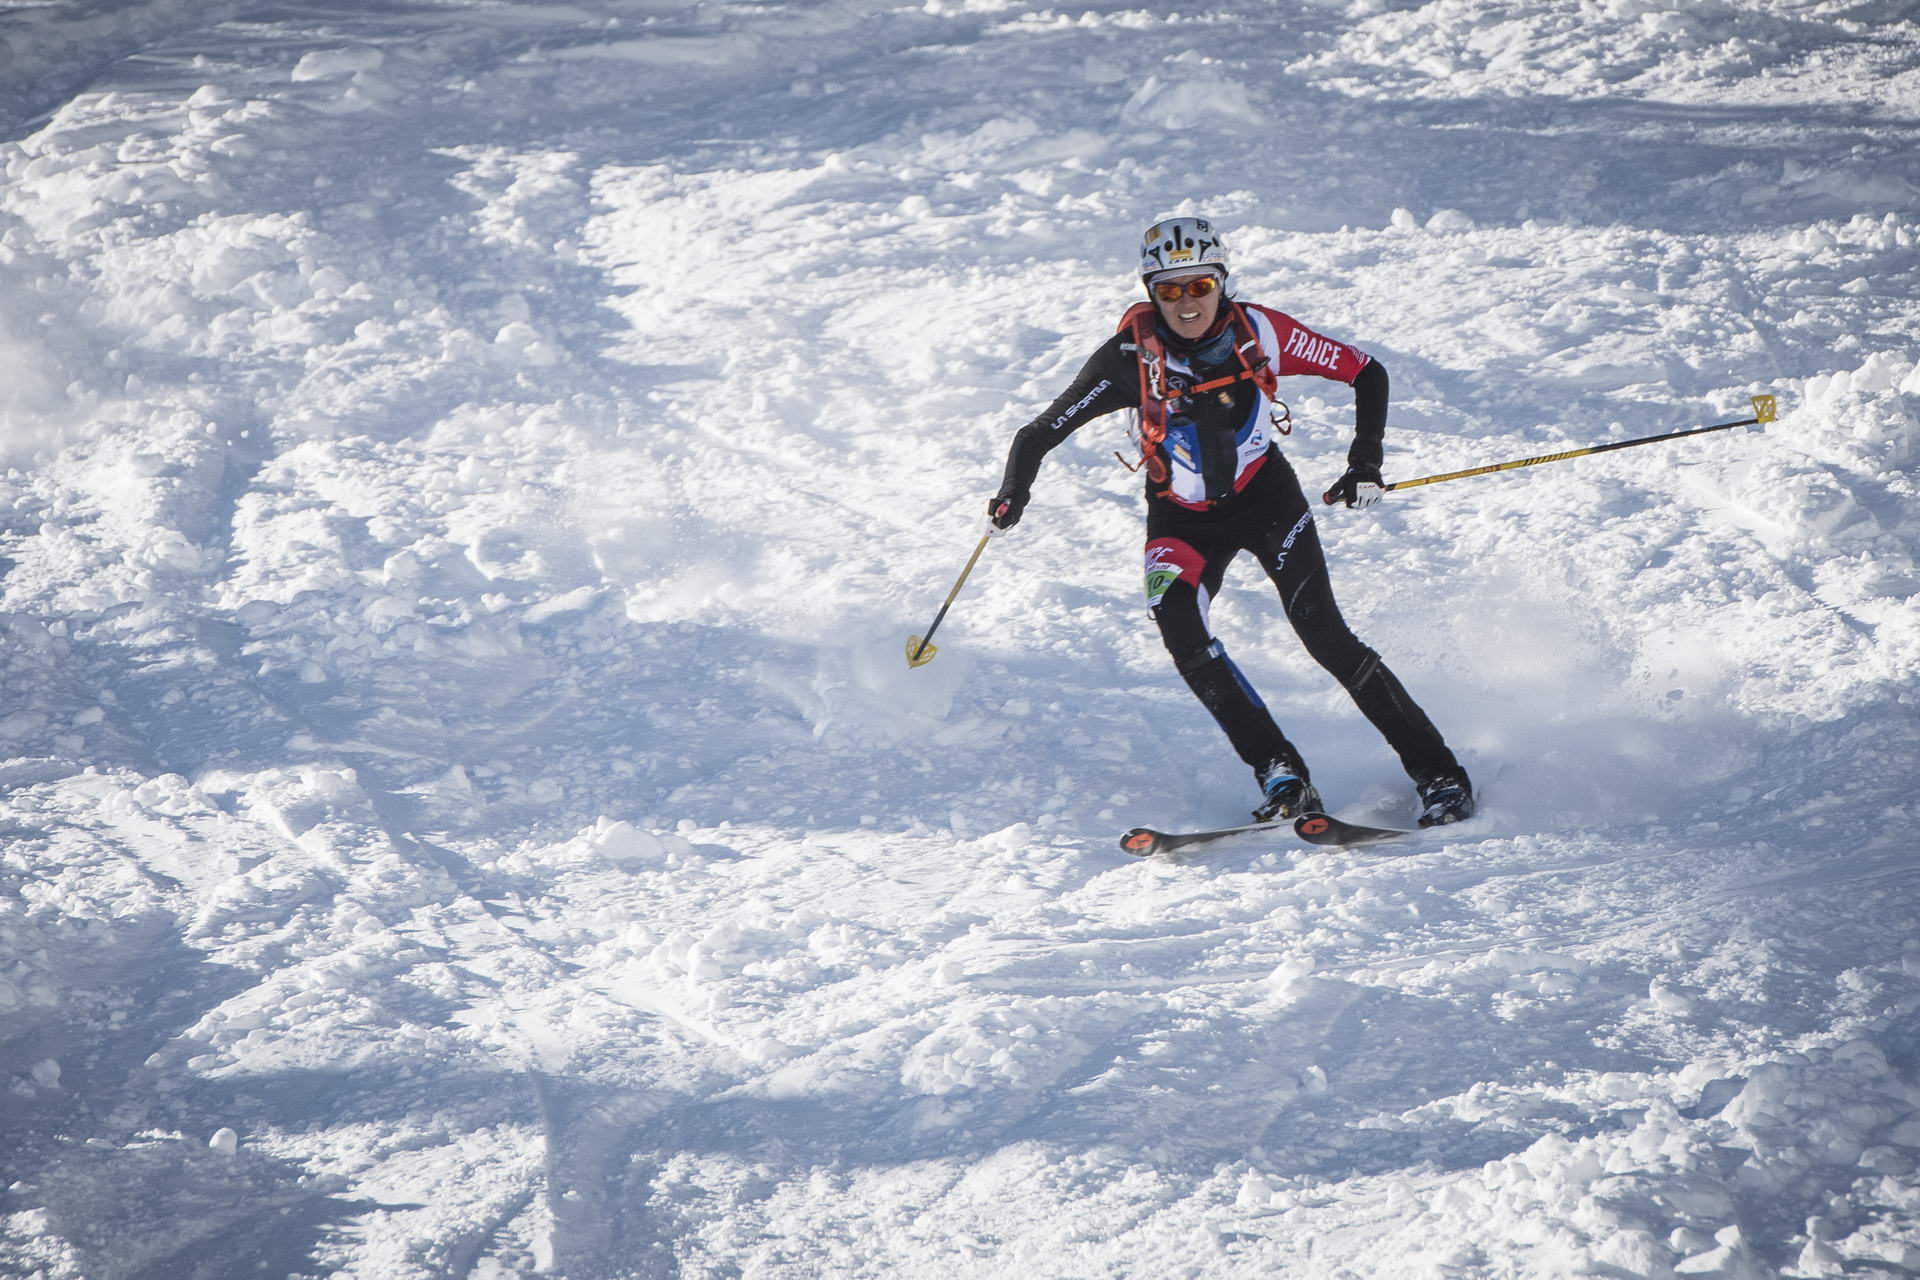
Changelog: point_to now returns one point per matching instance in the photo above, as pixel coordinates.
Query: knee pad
(1200, 657)
(1217, 679)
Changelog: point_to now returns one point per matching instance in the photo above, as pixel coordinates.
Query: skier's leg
(1293, 558)
(1180, 584)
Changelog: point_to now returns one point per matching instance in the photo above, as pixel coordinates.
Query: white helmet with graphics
(1181, 244)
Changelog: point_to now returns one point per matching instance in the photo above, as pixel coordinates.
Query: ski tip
(1140, 841)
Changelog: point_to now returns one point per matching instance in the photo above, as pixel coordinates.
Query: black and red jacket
(1211, 444)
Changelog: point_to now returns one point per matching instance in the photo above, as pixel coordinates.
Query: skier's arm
(1362, 486)
(1369, 417)
(1301, 350)
(1105, 383)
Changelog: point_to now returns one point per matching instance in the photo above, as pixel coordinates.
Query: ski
(1314, 828)
(1143, 842)
(1324, 828)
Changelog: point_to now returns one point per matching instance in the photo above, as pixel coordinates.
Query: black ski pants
(1188, 553)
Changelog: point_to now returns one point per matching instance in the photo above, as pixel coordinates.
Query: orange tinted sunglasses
(1197, 287)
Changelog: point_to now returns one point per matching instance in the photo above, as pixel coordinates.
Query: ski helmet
(1178, 244)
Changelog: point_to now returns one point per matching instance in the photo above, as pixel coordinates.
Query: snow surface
(472, 468)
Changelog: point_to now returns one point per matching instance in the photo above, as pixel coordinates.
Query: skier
(1201, 368)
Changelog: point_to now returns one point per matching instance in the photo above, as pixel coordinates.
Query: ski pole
(1764, 410)
(920, 649)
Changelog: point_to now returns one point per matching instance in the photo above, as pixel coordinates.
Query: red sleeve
(1302, 351)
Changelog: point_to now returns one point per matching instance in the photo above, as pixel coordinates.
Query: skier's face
(1194, 303)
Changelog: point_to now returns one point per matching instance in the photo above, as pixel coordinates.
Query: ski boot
(1445, 798)
(1288, 793)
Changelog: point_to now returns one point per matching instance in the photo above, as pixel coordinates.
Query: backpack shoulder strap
(1254, 363)
(1138, 316)
(1150, 356)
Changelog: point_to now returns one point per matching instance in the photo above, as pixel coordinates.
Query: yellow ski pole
(920, 650)
(1764, 410)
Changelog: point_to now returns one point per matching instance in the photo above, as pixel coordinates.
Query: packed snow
(471, 471)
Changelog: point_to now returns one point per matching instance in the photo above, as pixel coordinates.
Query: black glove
(1360, 487)
(1004, 508)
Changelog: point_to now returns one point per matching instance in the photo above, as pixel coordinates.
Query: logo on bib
(1163, 570)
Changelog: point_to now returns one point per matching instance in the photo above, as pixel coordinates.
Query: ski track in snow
(463, 809)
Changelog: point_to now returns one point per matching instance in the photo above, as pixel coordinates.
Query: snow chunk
(520, 342)
(568, 602)
(624, 844)
(327, 63)
(1289, 977)
(1818, 1259)
(1255, 1192)
(172, 796)
(1667, 1000)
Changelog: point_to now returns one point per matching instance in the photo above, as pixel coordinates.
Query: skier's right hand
(1004, 508)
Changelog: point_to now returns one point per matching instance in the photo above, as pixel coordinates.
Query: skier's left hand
(1360, 487)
